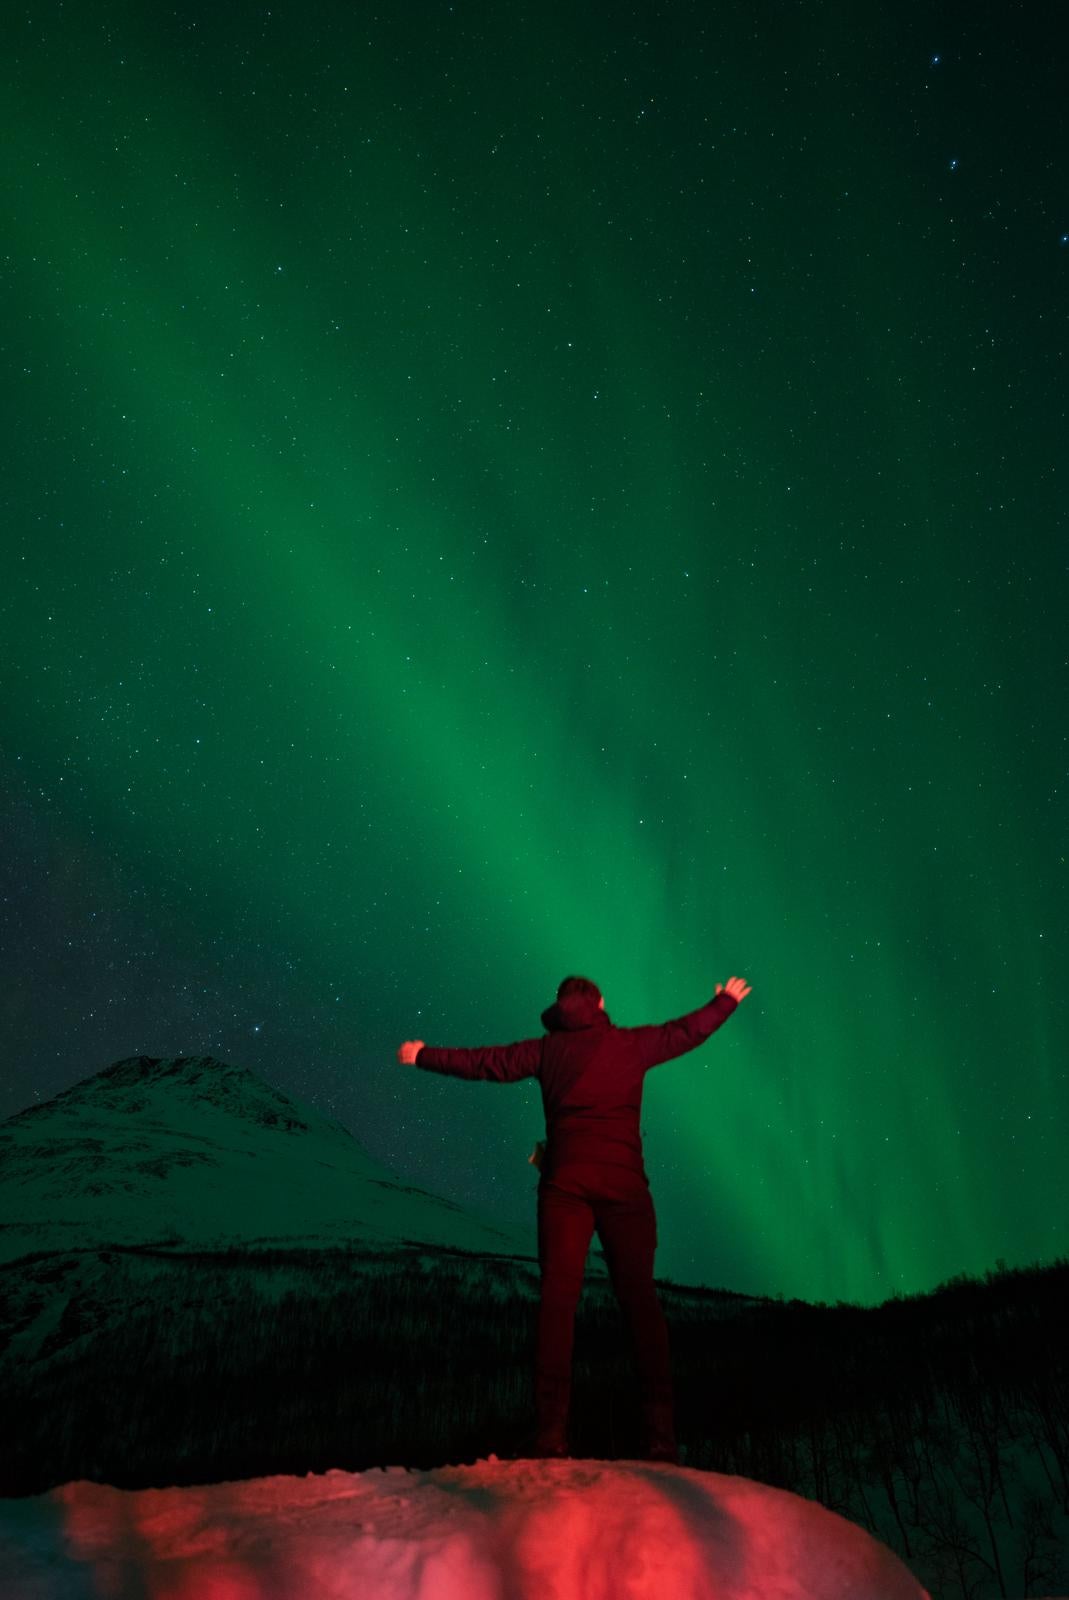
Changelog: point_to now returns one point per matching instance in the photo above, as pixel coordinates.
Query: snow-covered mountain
(198, 1153)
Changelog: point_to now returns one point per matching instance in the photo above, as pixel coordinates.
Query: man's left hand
(409, 1051)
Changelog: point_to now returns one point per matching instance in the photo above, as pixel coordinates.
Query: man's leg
(627, 1228)
(565, 1228)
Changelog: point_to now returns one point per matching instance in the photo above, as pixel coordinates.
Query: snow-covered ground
(496, 1530)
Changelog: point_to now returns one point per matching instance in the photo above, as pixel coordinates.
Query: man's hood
(575, 1011)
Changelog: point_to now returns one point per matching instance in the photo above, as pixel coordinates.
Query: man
(592, 1176)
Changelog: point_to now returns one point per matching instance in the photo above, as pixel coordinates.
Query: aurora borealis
(496, 492)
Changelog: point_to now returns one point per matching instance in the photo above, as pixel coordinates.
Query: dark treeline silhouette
(938, 1421)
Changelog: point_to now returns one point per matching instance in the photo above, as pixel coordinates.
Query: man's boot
(552, 1397)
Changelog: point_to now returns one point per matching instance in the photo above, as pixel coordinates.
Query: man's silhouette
(592, 1175)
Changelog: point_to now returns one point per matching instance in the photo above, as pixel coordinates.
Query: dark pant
(617, 1202)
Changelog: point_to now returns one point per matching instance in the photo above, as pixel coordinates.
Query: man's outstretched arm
(661, 1042)
(502, 1063)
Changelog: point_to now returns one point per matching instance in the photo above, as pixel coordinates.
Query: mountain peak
(149, 1083)
(196, 1151)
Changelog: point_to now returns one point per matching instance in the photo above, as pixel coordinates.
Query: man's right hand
(738, 988)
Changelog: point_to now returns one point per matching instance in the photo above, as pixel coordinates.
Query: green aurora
(496, 493)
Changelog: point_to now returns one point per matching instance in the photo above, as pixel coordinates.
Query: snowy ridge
(497, 1530)
(134, 1085)
(198, 1153)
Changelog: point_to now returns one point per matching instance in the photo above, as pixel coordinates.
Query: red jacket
(591, 1074)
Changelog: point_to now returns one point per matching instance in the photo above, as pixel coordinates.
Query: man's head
(580, 986)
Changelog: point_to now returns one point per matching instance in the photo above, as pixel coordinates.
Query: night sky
(495, 492)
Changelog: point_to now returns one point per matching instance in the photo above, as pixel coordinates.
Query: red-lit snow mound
(498, 1530)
